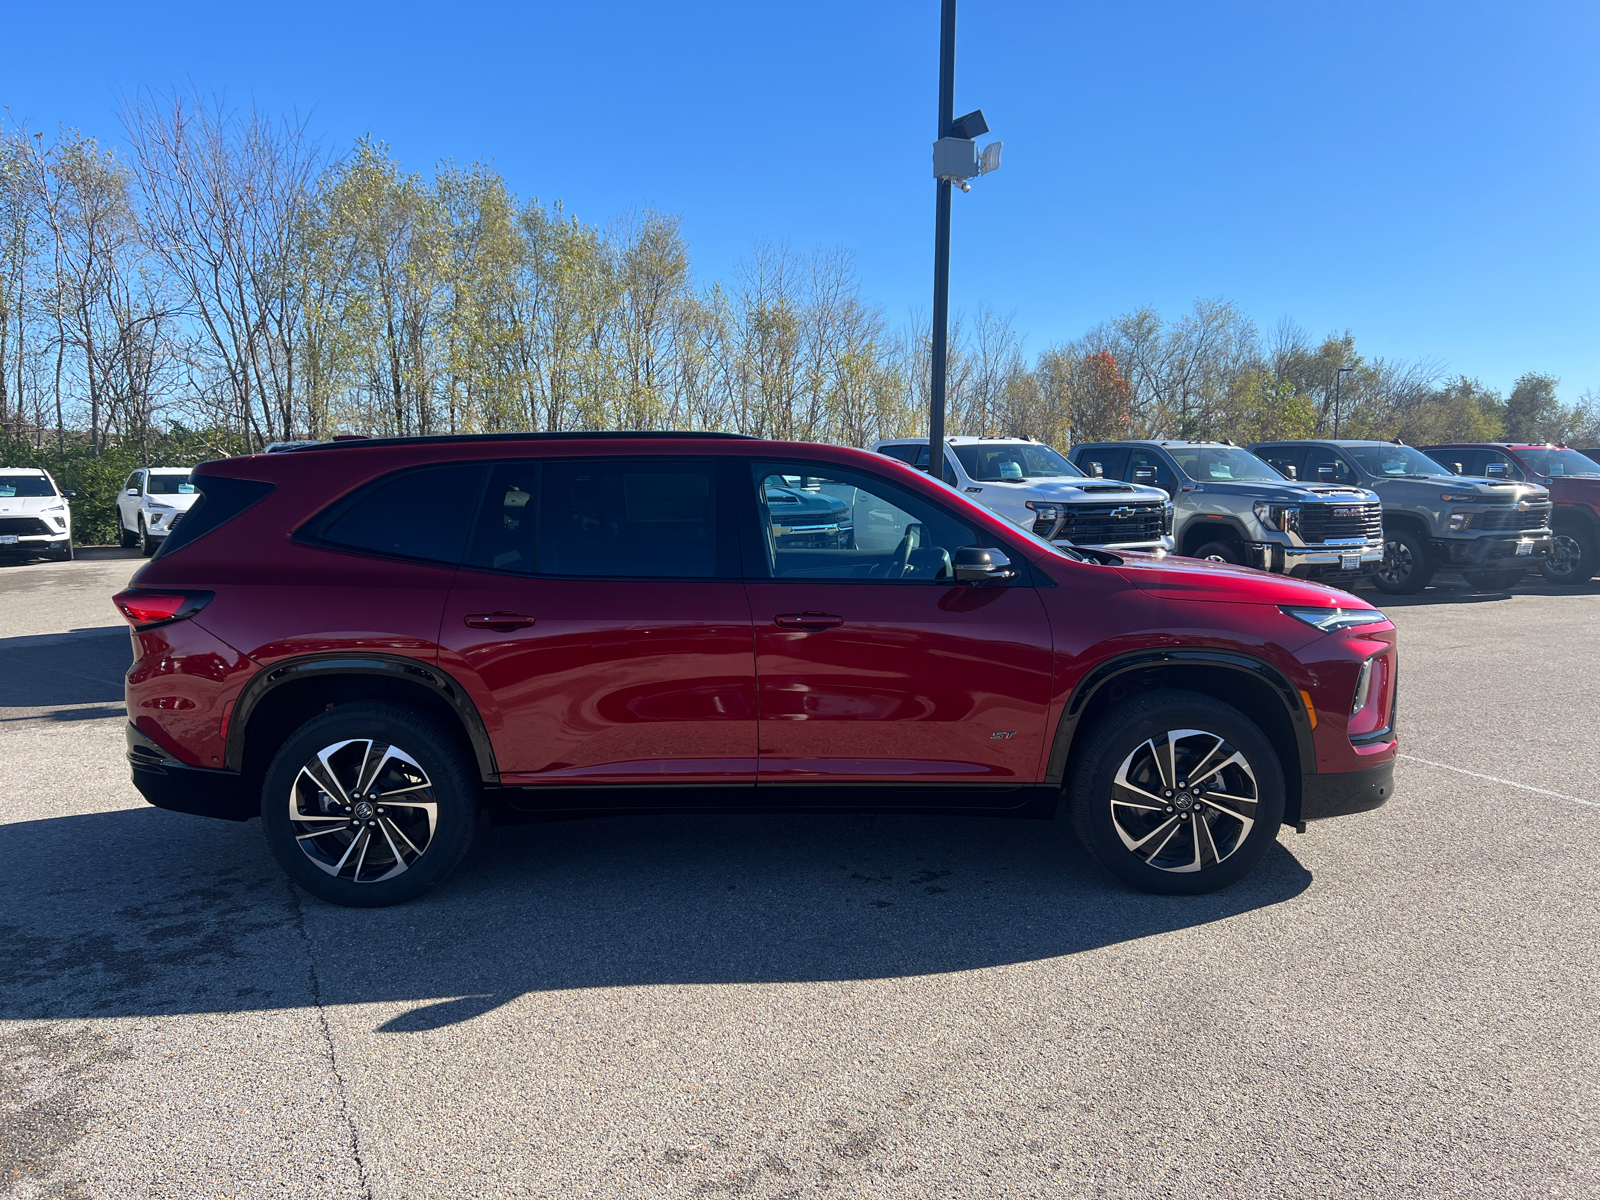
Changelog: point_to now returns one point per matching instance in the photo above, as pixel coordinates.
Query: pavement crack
(340, 1087)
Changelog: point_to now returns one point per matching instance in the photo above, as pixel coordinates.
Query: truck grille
(1326, 522)
(1511, 520)
(24, 526)
(1107, 524)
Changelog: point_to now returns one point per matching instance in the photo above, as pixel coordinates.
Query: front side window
(1223, 464)
(625, 518)
(825, 522)
(133, 483)
(25, 485)
(1150, 469)
(1112, 459)
(1013, 462)
(423, 514)
(171, 485)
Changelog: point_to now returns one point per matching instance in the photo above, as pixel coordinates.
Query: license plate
(1350, 562)
(1524, 549)
(9, 539)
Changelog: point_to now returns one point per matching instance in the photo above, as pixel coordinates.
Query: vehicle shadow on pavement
(53, 669)
(142, 911)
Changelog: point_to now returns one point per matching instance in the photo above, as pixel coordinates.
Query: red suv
(1574, 482)
(581, 624)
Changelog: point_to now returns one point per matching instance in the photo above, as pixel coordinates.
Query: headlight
(56, 508)
(1459, 521)
(1331, 620)
(1283, 517)
(1166, 518)
(1045, 512)
(1363, 687)
(161, 507)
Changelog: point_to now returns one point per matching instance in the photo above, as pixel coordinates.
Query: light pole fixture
(1338, 378)
(956, 161)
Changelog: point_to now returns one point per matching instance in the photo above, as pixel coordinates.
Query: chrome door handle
(500, 622)
(807, 620)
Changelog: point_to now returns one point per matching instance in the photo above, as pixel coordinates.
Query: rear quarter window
(425, 513)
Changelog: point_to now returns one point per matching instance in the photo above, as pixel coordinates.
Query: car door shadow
(141, 911)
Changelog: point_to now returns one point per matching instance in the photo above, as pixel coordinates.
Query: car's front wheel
(1222, 551)
(1405, 569)
(1574, 557)
(147, 544)
(126, 537)
(1177, 793)
(368, 805)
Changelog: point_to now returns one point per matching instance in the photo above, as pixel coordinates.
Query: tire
(1405, 569)
(407, 755)
(125, 536)
(1574, 557)
(1118, 773)
(64, 554)
(147, 544)
(1493, 581)
(1228, 552)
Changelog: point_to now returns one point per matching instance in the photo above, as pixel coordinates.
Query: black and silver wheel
(1405, 569)
(1221, 551)
(147, 544)
(1177, 793)
(368, 805)
(1574, 557)
(1492, 581)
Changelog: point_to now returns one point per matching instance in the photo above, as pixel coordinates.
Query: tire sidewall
(1228, 552)
(1583, 566)
(1417, 578)
(454, 791)
(1119, 734)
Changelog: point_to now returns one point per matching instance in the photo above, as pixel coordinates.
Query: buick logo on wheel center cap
(1183, 800)
(364, 811)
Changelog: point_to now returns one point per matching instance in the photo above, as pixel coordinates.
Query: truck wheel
(368, 805)
(1228, 552)
(1405, 569)
(1574, 557)
(1492, 581)
(1176, 793)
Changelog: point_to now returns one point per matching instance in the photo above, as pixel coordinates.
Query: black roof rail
(348, 443)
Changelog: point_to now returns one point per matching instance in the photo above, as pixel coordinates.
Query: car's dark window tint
(920, 462)
(1281, 458)
(1149, 468)
(424, 514)
(906, 452)
(1111, 460)
(623, 518)
(825, 522)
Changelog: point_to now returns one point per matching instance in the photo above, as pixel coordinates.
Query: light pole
(955, 160)
(1338, 378)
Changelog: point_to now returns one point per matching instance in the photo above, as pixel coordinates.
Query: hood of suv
(1176, 578)
(177, 500)
(27, 506)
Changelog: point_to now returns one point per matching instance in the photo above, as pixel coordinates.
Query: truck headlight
(1045, 512)
(1167, 510)
(1283, 517)
(1459, 521)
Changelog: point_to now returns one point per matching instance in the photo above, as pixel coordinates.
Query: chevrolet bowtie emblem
(1121, 514)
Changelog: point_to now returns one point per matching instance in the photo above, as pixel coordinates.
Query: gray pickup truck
(1232, 506)
(1490, 530)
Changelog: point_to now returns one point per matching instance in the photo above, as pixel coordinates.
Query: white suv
(34, 515)
(152, 501)
(1030, 485)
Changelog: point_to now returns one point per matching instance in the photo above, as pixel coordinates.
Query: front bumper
(1476, 552)
(1344, 793)
(178, 787)
(1325, 560)
(1163, 545)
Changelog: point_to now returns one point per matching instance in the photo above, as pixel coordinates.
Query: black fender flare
(1102, 674)
(334, 665)
(1576, 514)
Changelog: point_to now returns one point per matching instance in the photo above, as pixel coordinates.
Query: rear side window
(625, 518)
(221, 500)
(423, 514)
(906, 452)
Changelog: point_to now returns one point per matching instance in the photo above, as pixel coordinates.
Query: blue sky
(1426, 175)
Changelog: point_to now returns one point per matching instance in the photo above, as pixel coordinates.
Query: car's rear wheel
(1492, 581)
(1177, 793)
(368, 805)
(1405, 569)
(1228, 552)
(1574, 557)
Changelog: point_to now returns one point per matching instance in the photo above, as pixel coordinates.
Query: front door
(873, 665)
(602, 628)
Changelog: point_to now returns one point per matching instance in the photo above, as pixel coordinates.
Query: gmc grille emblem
(1347, 512)
(1120, 514)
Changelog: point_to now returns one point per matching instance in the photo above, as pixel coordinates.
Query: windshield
(1395, 460)
(1013, 462)
(24, 485)
(169, 485)
(1222, 464)
(1560, 462)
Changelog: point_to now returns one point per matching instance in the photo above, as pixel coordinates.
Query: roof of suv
(22, 471)
(169, 470)
(353, 441)
(1158, 442)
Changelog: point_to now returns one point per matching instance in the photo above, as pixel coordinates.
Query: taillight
(147, 608)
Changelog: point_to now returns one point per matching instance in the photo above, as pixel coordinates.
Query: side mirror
(1096, 471)
(1325, 471)
(1495, 470)
(982, 564)
(1145, 475)
(131, 492)
(70, 494)
(1292, 471)
(1456, 467)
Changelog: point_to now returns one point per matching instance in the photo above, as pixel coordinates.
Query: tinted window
(610, 518)
(221, 499)
(906, 452)
(1281, 458)
(1112, 460)
(171, 485)
(25, 485)
(133, 483)
(1327, 466)
(1149, 468)
(416, 514)
(822, 522)
(920, 462)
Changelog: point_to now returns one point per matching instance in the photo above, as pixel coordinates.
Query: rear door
(873, 665)
(602, 627)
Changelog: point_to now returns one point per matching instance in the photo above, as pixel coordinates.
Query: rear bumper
(178, 787)
(1339, 795)
(1502, 551)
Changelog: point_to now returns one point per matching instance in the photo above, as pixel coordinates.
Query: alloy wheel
(1184, 800)
(362, 810)
(1398, 563)
(1565, 555)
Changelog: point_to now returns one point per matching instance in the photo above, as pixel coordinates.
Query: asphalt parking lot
(1402, 1003)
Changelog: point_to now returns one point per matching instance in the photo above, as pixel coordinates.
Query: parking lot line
(1496, 779)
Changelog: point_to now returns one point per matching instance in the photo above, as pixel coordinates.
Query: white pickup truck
(1030, 485)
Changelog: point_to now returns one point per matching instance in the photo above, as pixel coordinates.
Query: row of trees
(225, 276)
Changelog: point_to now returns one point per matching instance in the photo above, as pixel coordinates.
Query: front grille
(1513, 520)
(1107, 524)
(23, 525)
(1327, 522)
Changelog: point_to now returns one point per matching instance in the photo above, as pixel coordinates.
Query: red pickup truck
(1574, 482)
